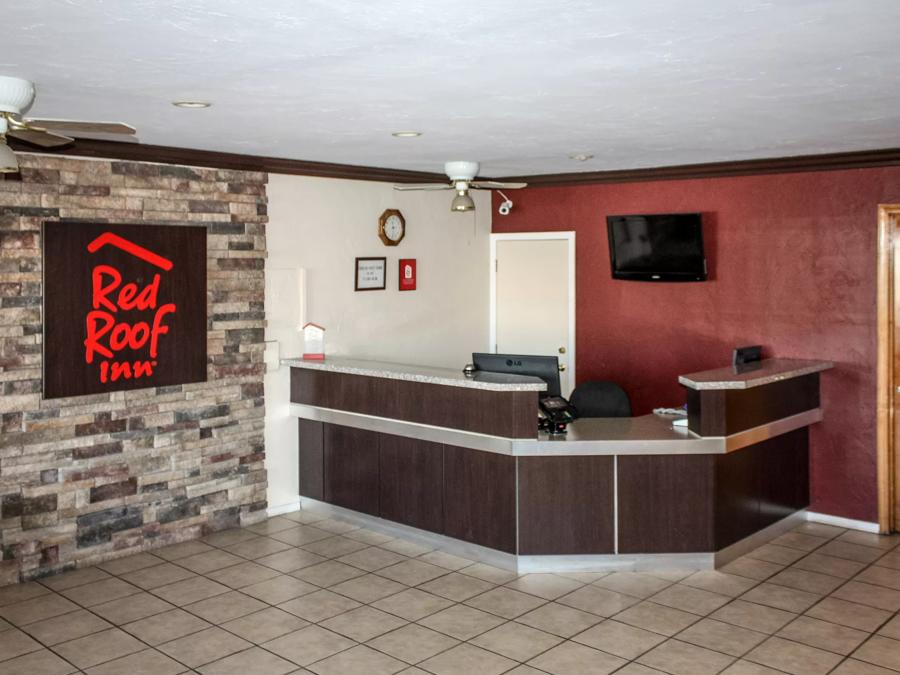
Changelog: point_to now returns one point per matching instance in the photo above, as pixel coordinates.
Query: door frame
(886, 444)
(569, 237)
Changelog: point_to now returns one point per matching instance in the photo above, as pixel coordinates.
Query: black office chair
(600, 399)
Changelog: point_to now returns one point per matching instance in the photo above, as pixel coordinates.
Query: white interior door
(534, 298)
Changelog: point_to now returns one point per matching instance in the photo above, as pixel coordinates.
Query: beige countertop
(644, 435)
(426, 374)
(750, 375)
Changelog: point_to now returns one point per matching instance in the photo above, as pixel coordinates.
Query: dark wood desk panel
(521, 494)
(511, 414)
(566, 505)
(412, 482)
(312, 459)
(737, 495)
(341, 391)
(759, 485)
(351, 468)
(665, 503)
(720, 412)
(784, 476)
(480, 498)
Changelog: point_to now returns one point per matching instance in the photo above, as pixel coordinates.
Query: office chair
(600, 399)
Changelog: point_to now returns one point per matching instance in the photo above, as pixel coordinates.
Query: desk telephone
(554, 413)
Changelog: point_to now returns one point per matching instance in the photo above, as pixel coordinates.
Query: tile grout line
(113, 627)
(495, 587)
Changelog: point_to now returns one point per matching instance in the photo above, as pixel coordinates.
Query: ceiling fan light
(462, 202)
(192, 104)
(8, 161)
(16, 95)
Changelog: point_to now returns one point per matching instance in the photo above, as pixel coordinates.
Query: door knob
(562, 367)
(562, 350)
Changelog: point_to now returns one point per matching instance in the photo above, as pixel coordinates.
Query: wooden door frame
(567, 236)
(887, 463)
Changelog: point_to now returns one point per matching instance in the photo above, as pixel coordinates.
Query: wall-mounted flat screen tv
(658, 247)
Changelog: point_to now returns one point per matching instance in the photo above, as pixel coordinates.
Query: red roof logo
(111, 239)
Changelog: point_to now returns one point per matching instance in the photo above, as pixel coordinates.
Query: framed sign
(407, 274)
(124, 307)
(371, 274)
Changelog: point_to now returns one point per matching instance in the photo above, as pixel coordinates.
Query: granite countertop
(646, 434)
(753, 374)
(426, 374)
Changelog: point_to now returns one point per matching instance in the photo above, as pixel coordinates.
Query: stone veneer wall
(94, 477)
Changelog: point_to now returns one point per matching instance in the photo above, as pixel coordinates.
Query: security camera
(505, 206)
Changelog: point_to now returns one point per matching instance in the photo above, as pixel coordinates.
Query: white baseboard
(837, 521)
(290, 507)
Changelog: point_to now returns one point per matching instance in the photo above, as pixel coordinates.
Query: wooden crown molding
(227, 160)
(162, 154)
(864, 159)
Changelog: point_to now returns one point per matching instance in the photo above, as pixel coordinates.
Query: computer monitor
(544, 367)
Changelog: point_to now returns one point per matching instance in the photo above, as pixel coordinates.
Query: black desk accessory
(742, 355)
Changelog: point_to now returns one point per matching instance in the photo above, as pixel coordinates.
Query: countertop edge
(425, 378)
(763, 379)
(543, 447)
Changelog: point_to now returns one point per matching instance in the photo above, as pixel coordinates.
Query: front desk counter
(457, 462)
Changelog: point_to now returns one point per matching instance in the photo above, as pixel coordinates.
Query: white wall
(322, 224)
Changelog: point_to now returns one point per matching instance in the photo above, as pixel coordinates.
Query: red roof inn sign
(112, 299)
(124, 307)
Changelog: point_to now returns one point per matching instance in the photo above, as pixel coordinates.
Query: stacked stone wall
(94, 477)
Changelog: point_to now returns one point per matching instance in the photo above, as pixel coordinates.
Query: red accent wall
(792, 267)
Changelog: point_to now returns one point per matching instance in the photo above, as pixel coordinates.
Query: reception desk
(458, 461)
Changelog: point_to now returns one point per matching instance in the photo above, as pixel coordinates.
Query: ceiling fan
(16, 97)
(462, 179)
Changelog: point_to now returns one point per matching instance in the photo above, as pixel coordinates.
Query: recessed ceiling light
(191, 104)
(406, 134)
(581, 157)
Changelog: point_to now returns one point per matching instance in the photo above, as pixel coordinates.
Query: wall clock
(391, 227)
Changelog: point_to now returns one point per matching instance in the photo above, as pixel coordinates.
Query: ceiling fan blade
(487, 184)
(42, 139)
(75, 126)
(423, 186)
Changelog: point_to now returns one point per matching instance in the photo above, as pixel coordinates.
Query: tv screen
(660, 247)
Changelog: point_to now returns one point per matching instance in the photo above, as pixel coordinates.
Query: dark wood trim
(864, 159)
(162, 154)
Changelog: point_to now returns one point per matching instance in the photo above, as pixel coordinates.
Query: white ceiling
(517, 84)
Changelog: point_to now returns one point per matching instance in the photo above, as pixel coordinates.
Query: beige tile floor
(304, 594)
